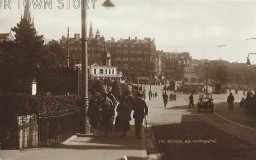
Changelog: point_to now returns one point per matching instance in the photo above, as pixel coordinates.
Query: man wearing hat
(140, 111)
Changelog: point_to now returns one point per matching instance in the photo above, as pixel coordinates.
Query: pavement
(86, 148)
(112, 147)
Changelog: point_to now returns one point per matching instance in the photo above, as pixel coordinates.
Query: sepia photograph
(127, 79)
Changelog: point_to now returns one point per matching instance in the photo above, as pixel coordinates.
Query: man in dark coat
(230, 101)
(165, 98)
(140, 111)
(191, 101)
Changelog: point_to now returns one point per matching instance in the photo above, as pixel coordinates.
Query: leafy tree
(53, 55)
(221, 74)
(21, 58)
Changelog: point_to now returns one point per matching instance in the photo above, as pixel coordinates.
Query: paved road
(181, 133)
(178, 133)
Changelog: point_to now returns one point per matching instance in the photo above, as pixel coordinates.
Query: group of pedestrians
(101, 113)
(152, 94)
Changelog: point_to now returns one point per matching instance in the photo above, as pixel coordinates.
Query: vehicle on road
(205, 103)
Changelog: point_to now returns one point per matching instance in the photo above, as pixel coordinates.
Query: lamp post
(84, 57)
(165, 86)
(206, 77)
(150, 86)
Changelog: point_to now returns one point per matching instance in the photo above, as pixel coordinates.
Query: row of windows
(139, 59)
(89, 48)
(133, 52)
(107, 71)
(133, 45)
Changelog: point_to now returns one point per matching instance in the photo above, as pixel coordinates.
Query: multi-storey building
(96, 48)
(178, 66)
(135, 58)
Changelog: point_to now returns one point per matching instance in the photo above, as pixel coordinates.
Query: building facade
(104, 72)
(178, 66)
(135, 58)
(96, 48)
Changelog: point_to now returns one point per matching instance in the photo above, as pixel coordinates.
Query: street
(177, 133)
(182, 133)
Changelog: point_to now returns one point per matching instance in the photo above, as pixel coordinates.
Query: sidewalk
(86, 148)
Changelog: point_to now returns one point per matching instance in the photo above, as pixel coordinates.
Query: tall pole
(150, 86)
(68, 47)
(84, 56)
(165, 86)
(206, 77)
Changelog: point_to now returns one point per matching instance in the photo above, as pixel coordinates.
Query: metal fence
(35, 121)
(55, 129)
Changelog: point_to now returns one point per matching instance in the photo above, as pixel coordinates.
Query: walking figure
(165, 98)
(150, 94)
(123, 116)
(191, 101)
(94, 113)
(242, 102)
(140, 111)
(107, 114)
(230, 101)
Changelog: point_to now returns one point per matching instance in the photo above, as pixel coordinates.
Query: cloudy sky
(208, 29)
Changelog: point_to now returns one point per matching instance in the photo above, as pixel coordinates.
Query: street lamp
(84, 56)
(248, 63)
(150, 92)
(108, 4)
(206, 76)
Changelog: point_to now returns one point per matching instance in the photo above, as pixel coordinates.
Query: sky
(208, 29)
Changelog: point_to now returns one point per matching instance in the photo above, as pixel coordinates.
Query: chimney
(136, 38)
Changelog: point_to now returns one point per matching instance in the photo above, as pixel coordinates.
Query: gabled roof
(3, 35)
(6, 36)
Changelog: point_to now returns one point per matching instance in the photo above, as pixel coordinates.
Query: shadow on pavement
(191, 111)
(112, 142)
(197, 140)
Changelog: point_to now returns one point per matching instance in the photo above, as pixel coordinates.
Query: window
(113, 71)
(109, 72)
(95, 71)
(106, 71)
(101, 71)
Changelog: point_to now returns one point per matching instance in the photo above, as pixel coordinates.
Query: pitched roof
(3, 35)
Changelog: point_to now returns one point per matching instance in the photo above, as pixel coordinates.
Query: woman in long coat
(94, 113)
(123, 117)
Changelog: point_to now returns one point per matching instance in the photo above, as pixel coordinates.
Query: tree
(53, 55)
(21, 58)
(221, 74)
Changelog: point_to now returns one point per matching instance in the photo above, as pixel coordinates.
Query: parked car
(205, 103)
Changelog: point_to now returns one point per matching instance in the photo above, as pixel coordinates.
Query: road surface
(181, 133)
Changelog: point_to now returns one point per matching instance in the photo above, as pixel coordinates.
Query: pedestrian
(140, 111)
(123, 118)
(156, 94)
(230, 101)
(94, 112)
(165, 98)
(191, 101)
(149, 94)
(242, 102)
(107, 113)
